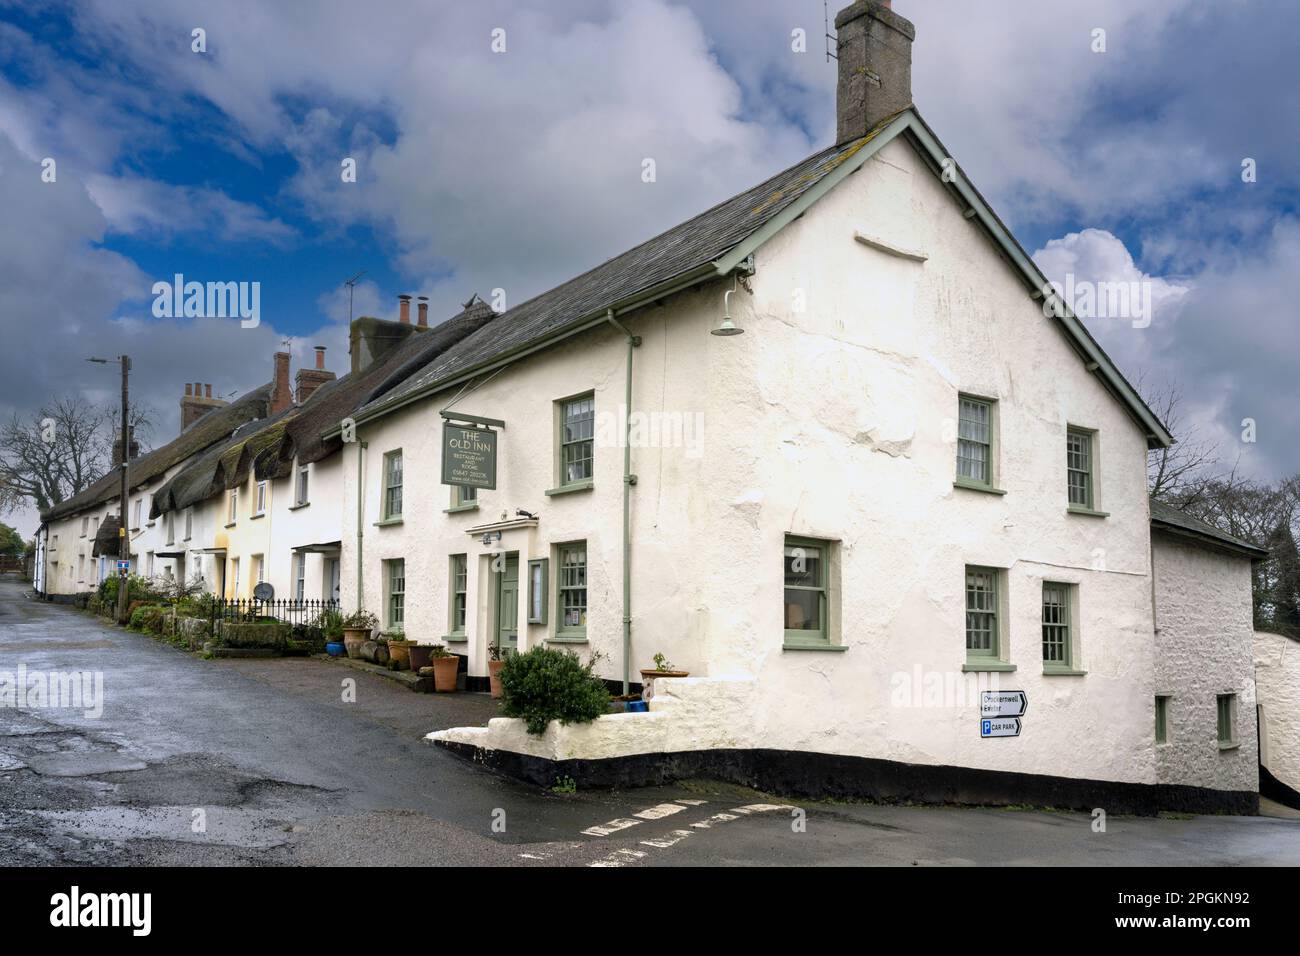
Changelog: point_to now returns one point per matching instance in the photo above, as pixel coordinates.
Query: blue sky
(518, 169)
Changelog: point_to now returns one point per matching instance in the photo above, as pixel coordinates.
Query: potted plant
(495, 663)
(445, 666)
(418, 655)
(663, 668)
(399, 649)
(356, 631)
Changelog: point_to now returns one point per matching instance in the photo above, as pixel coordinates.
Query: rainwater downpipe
(361, 523)
(629, 480)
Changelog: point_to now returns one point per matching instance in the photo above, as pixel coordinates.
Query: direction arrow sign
(1003, 703)
(1000, 727)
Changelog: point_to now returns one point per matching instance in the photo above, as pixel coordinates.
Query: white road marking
(613, 826)
(661, 811)
(664, 843)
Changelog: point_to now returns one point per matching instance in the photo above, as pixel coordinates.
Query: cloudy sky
(479, 169)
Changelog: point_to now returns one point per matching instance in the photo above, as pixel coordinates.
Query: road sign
(1003, 703)
(124, 565)
(1000, 727)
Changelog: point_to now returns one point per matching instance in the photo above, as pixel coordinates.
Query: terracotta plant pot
(418, 655)
(444, 673)
(494, 669)
(353, 638)
(400, 651)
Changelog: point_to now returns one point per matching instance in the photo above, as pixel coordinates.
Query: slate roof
(212, 428)
(1167, 518)
(679, 251)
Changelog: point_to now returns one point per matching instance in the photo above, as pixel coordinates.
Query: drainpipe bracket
(630, 479)
(636, 340)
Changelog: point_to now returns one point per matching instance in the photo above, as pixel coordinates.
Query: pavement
(264, 762)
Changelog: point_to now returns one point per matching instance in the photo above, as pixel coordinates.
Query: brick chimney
(404, 309)
(874, 45)
(423, 320)
(281, 397)
(196, 403)
(309, 379)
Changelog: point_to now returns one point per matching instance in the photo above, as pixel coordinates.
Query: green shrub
(149, 617)
(137, 589)
(545, 684)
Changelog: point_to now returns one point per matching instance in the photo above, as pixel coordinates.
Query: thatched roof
(107, 538)
(268, 447)
(212, 428)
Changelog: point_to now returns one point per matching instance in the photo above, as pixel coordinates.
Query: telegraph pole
(123, 535)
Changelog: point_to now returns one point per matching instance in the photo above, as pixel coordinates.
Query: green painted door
(507, 602)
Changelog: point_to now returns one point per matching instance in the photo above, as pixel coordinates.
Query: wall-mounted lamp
(489, 537)
(727, 327)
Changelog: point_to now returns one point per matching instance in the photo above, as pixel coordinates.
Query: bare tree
(60, 450)
(1178, 474)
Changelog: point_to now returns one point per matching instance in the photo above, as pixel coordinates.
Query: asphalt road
(196, 762)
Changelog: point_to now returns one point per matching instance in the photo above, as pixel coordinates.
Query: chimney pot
(874, 45)
(207, 391)
(404, 309)
(424, 311)
(189, 388)
(320, 356)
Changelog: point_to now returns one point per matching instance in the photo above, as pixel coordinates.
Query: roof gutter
(679, 283)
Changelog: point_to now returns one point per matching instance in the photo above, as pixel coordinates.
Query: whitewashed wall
(1204, 646)
(1277, 675)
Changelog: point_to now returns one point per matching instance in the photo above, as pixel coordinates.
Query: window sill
(567, 639)
(1229, 745)
(299, 506)
(976, 486)
(802, 646)
(231, 525)
(1063, 672)
(566, 489)
(260, 514)
(388, 522)
(456, 509)
(183, 540)
(454, 638)
(1088, 512)
(975, 667)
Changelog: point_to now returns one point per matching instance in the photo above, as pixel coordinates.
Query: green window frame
(392, 485)
(458, 586)
(396, 576)
(983, 620)
(806, 605)
(1226, 710)
(539, 583)
(577, 425)
(1079, 456)
(571, 590)
(1058, 651)
(976, 420)
(1162, 718)
(464, 496)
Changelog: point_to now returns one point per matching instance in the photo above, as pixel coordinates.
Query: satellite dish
(264, 591)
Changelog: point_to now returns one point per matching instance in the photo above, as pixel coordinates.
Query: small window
(459, 582)
(538, 584)
(577, 429)
(304, 475)
(1078, 464)
(1227, 708)
(464, 496)
(135, 513)
(975, 441)
(85, 526)
(261, 498)
(233, 509)
(189, 523)
(1162, 719)
(234, 578)
(392, 485)
(300, 578)
(982, 614)
(806, 603)
(572, 590)
(171, 527)
(396, 594)
(1057, 647)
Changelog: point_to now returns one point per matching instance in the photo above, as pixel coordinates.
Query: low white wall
(1277, 680)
